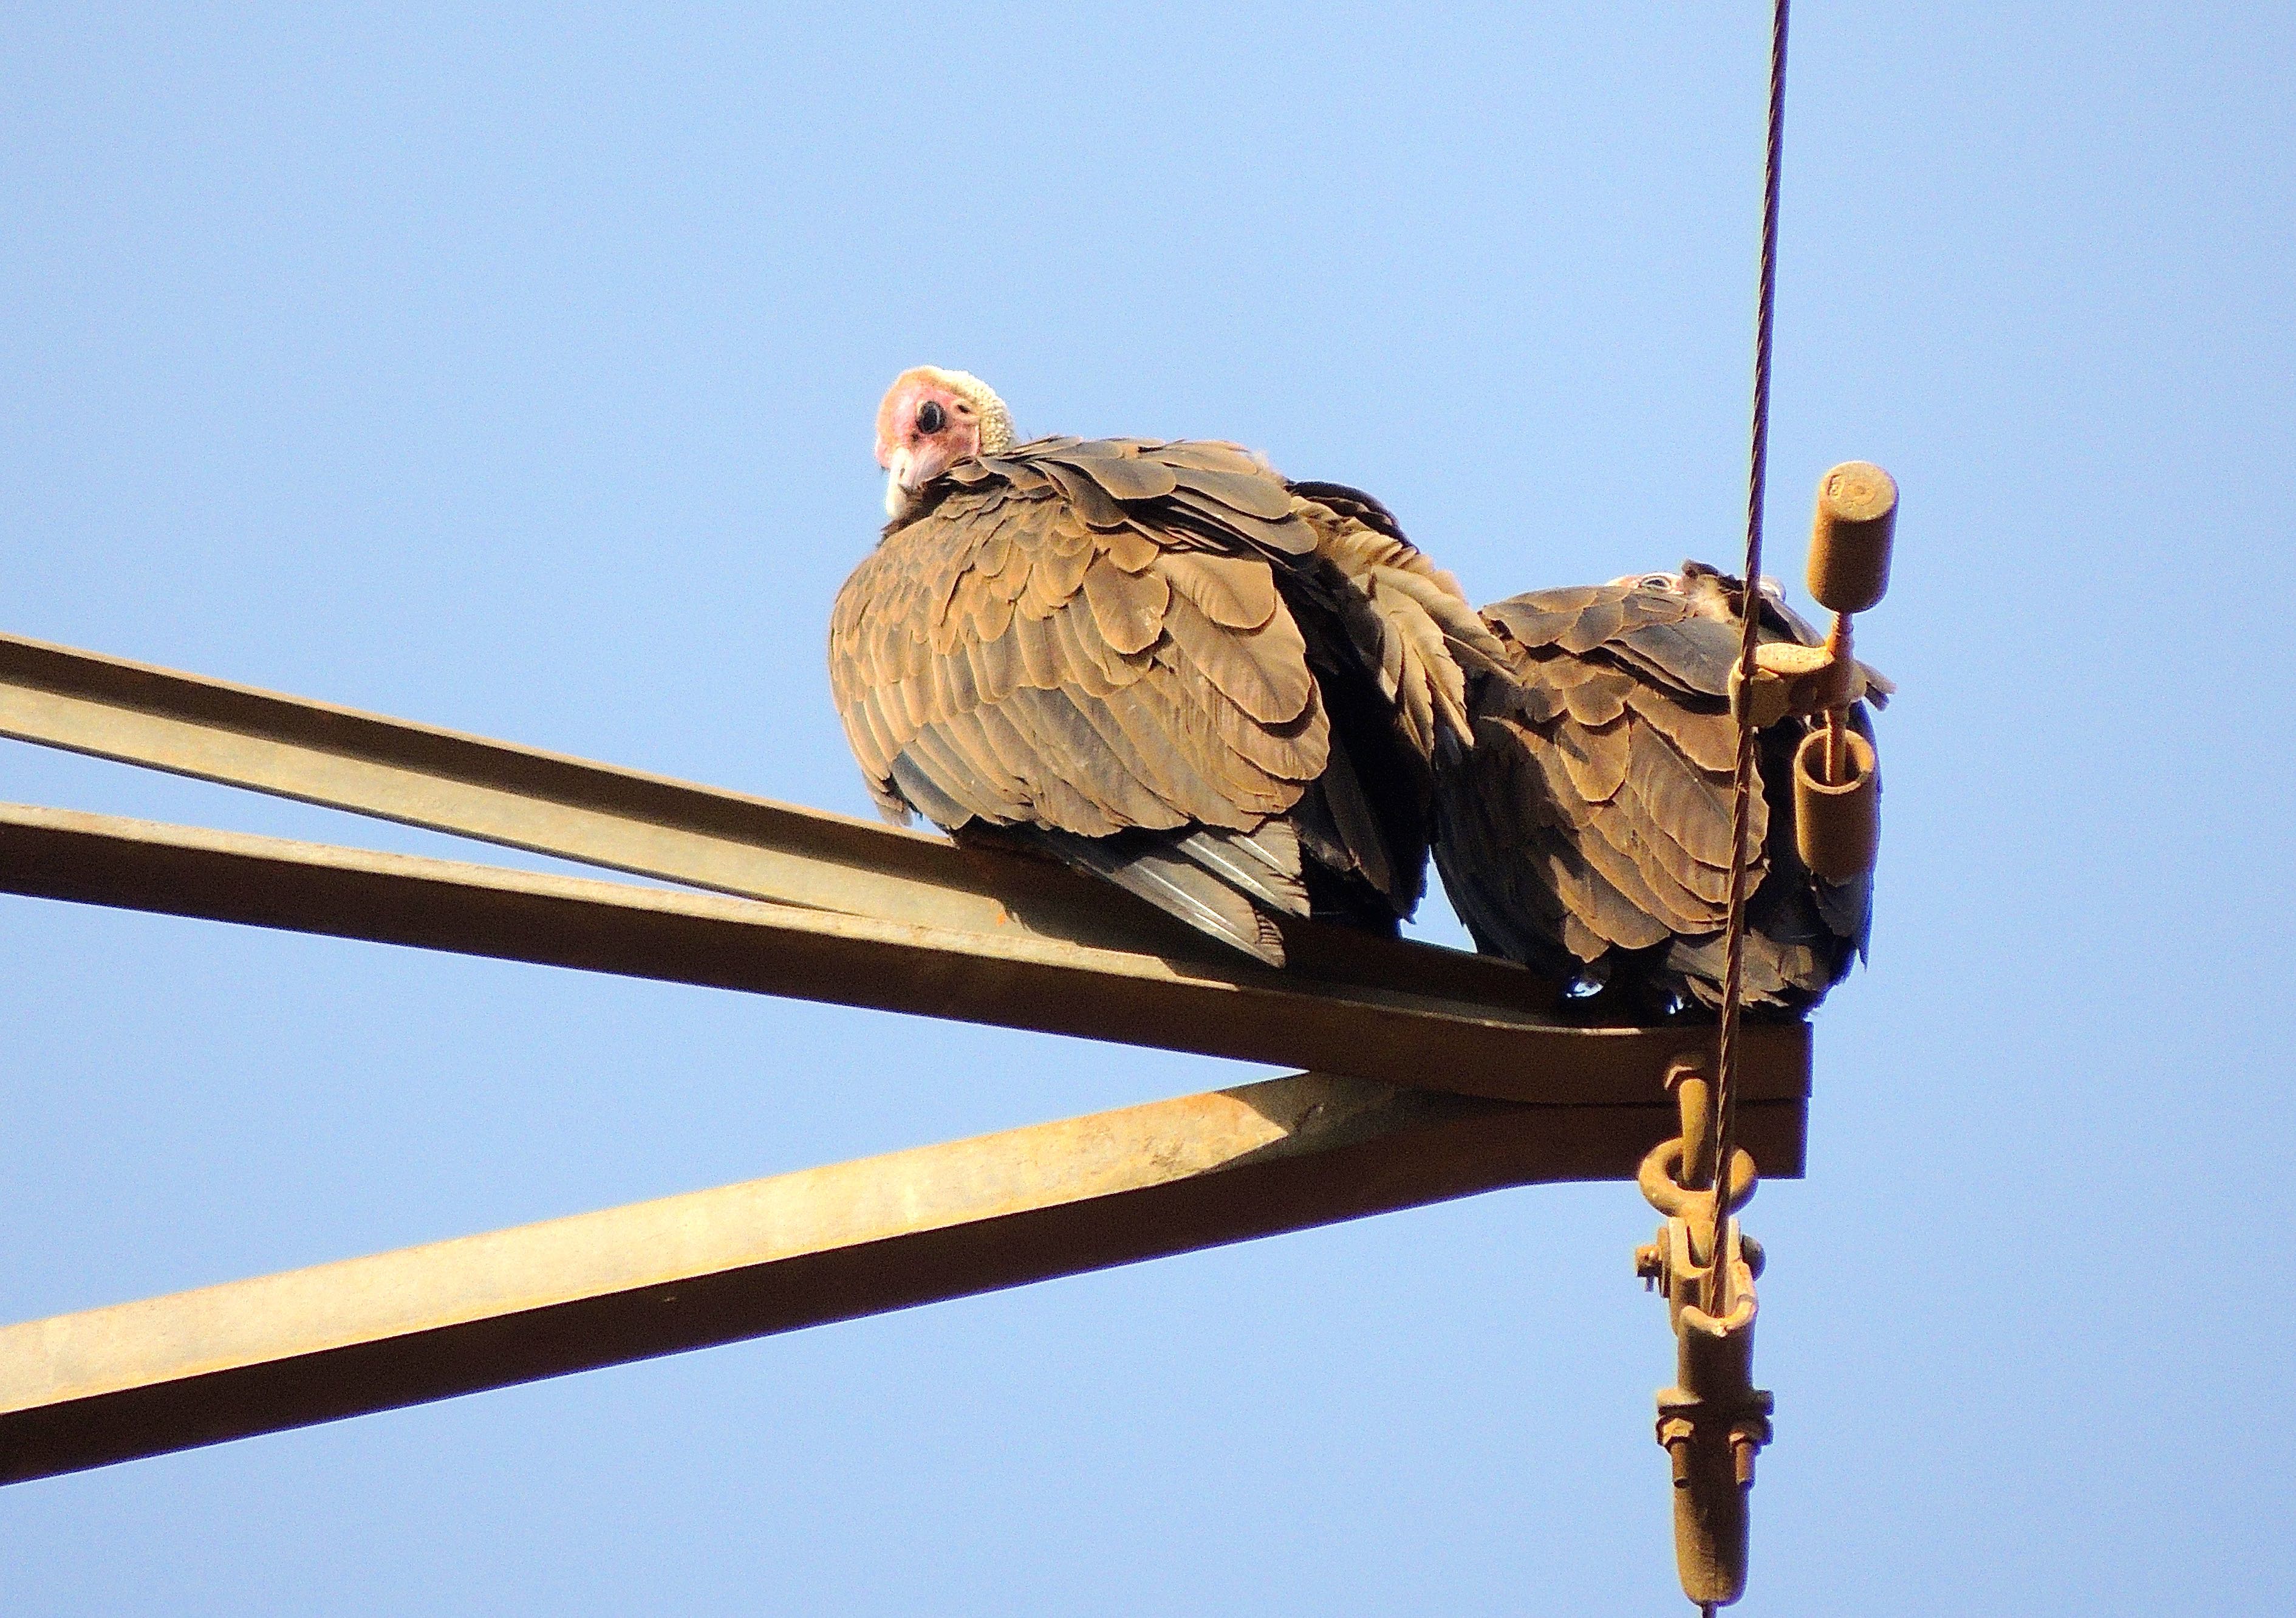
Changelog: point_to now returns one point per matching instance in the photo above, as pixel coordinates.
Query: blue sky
(514, 371)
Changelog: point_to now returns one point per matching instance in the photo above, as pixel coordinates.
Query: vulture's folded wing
(1594, 815)
(1086, 638)
(1167, 665)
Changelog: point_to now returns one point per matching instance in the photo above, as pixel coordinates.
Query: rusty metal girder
(645, 825)
(774, 1255)
(1458, 1075)
(520, 797)
(1218, 1009)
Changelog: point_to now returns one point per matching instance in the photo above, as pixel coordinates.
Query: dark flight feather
(1587, 834)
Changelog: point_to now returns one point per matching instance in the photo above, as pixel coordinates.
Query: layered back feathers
(1589, 833)
(1166, 649)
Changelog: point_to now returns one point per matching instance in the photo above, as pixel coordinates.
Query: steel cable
(1742, 805)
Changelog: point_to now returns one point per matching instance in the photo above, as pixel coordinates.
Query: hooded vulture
(1587, 834)
(1162, 663)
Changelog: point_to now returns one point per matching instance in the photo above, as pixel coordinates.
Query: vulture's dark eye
(931, 417)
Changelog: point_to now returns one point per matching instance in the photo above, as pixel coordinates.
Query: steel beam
(1223, 1007)
(626, 820)
(520, 797)
(772, 1255)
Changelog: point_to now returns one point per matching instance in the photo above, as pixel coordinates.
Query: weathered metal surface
(626, 820)
(1211, 1007)
(517, 796)
(772, 1255)
(1851, 536)
(851, 914)
(1713, 1421)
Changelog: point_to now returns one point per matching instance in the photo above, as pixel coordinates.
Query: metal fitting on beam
(1713, 1422)
(1836, 786)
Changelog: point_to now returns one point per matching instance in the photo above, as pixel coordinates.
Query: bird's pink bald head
(931, 419)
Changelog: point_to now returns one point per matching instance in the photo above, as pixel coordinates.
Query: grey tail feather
(1201, 880)
(1263, 865)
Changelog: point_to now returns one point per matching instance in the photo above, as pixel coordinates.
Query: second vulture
(1587, 832)
(1161, 662)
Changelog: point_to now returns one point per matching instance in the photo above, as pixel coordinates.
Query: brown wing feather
(1087, 637)
(1117, 639)
(1591, 825)
(1390, 636)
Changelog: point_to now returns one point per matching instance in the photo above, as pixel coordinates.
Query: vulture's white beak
(897, 481)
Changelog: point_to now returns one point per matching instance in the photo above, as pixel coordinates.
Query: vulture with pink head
(1161, 662)
(1587, 834)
